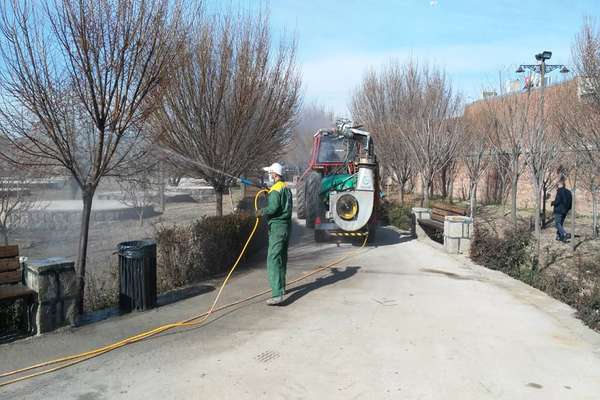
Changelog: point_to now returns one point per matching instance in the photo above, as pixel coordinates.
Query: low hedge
(204, 248)
(507, 253)
(397, 215)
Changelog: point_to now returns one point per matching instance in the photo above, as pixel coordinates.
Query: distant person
(562, 206)
(279, 215)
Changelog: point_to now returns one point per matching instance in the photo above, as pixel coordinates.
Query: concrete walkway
(400, 321)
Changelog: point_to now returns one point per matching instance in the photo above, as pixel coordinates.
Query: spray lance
(239, 179)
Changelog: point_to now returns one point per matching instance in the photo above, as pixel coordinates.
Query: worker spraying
(279, 214)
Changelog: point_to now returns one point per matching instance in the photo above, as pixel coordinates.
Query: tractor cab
(335, 150)
(337, 194)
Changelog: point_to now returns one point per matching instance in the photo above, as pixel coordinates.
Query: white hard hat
(276, 168)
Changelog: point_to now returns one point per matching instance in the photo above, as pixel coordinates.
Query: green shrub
(397, 215)
(508, 253)
(209, 246)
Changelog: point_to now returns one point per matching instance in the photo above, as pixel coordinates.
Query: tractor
(338, 195)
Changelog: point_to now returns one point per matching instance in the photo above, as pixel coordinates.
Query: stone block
(70, 311)
(465, 246)
(453, 229)
(48, 289)
(44, 285)
(68, 283)
(451, 245)
(419, 232)
(55, 281)
(421, 213)
(31, 278)
(458, 227)
(46, 318)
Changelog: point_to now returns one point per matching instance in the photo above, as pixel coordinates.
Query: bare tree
(15, 201)
(541, 150)
(378, 104)
(139, 190)
(447, 176)
(232, 102)
(430, 122)
(592, 183)
(578, 122)
(579, 117)
(510, 116)
(79, 79)
(585, 52)
(476, 155)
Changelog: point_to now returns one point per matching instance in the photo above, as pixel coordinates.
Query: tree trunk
(141, 215)
(430, 189)
(427, 186)
(401, 193)
(444, 183)
(537, 219)
(513, 191)
(219, 201)
(472, 199)
(87, 197)
(544, 194)
(574, 211)
(161, 187)
(5, 237)
(594, 215)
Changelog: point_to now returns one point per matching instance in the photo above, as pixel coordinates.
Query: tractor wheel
(300, 200)
(313, 200)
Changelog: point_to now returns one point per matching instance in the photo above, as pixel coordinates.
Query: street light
(543, 56)
(542, 68)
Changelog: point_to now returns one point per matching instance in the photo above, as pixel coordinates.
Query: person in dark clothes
(562, 206)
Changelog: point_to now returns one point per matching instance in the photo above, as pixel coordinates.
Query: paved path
(400, 321)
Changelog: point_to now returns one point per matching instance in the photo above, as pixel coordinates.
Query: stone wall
(64, 220)
(457, 231)
(55, 282)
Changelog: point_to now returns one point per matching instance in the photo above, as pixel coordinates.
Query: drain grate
(267, 356)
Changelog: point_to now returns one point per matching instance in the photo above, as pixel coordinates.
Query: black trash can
(137, 275)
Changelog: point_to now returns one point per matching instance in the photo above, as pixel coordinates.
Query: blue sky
(338, 40)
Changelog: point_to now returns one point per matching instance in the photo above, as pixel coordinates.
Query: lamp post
(542, 68)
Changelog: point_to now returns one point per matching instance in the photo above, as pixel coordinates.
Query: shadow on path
(176, 295)
(387, 236)
(335, 275)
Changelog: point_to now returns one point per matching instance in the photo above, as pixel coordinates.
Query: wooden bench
(11, 282)
(439, 212)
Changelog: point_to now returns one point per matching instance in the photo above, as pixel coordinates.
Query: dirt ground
(581, 251)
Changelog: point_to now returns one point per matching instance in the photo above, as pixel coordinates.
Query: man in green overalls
(279, 214)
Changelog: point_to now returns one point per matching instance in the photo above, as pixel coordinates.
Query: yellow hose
(193, 321)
